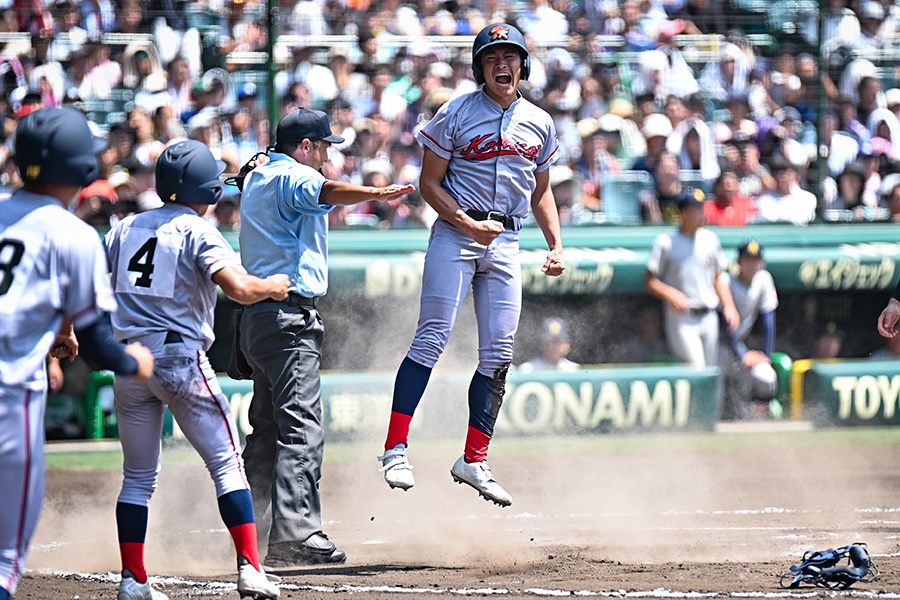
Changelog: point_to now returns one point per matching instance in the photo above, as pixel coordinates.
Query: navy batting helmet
(56, 144)
(188, 173)
(498, 33)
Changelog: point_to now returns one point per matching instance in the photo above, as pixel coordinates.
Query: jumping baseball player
(487, 158)
(749, 373)
(53, 279)
(686, 272)
(166, 264)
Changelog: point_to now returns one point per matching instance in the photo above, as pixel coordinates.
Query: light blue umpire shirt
(284, 229)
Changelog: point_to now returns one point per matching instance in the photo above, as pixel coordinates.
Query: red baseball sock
(133, 559)
(476, 445)
(244, 537)
(398, 430)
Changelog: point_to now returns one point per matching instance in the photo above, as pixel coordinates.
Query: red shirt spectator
(728, 208)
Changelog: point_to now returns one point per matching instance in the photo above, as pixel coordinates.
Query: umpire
(284, 229)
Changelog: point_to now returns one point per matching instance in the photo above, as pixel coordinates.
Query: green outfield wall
(591, 401)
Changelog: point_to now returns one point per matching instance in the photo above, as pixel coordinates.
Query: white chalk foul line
(171, 583)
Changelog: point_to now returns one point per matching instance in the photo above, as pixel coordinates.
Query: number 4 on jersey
(142, 262)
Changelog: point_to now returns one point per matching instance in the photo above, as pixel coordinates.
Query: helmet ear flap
(477, 72)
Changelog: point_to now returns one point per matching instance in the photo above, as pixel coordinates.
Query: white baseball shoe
(255, 584)
(130, 589)
(479, 476)
(396, 467)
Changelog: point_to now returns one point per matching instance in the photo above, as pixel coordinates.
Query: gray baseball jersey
(51, 265)
(689, 264)
(752, 300)
(493, 153)
(157, 257)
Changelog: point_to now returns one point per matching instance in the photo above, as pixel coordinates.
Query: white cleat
(255, 584)
(130, 589)
(396, 467)
(479, 476)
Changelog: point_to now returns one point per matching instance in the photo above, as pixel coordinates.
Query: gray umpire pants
(283, 454)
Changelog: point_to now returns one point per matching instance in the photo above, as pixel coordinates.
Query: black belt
(295, 299)
(509, 221)
(700, 311)
(172, 337)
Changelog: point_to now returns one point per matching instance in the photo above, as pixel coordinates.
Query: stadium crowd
(647, 95)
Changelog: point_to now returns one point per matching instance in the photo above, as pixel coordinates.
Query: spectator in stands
(555, 347)
(702, 17)
(238, 33)
(129, 16)
(840, 27)
(379, 99)
(595, 161)
(167, 126)
(542, 23)
(227, 213)
(743, 156)
(319, 78)
(870, 96)
(692, 142)
(786, 136)
(141, 68)
(350, 83)
(758, 93)
(661, 206)
(871, 16)
(68, 19)
(121, 137)
(738, 106)
(812, 86)
(883, 123)
(179, 85)
(242, 138)
(785, 82)
(727, 207)
(890, 196)
(405, 159)
(846, 193)
(146, 147)
(727, 77)
(788, 202)
(631, 26)
(656, 129)
(676, 110)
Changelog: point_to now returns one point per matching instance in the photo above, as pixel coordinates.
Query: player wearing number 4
(52, 269)
(487, 158)
(165, 266)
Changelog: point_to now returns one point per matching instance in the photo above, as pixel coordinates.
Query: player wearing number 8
(166, 264)
(53, 284)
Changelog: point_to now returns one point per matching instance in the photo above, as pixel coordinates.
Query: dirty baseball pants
(183, 381)
(21, 477)
(282, 343)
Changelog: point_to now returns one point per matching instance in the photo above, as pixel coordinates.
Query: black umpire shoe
(317, 549)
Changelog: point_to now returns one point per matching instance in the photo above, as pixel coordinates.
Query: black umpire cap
(305, 124)
(689, 196)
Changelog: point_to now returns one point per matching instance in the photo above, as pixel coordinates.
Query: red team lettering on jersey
(480, 149)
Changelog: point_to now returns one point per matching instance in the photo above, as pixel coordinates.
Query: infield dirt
(660, 520)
